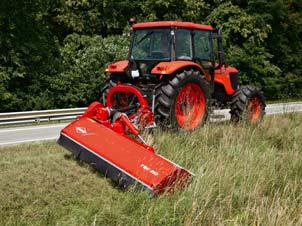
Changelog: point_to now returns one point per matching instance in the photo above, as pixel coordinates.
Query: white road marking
(32, 128)
(26, 141)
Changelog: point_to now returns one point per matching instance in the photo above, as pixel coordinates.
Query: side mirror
(131, 21)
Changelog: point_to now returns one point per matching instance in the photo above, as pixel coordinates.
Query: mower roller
(109, 140)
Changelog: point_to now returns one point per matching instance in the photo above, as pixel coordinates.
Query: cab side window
(203, 47)
(184, 44)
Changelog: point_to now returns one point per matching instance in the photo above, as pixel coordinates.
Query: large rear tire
(183, 102)
(247, 105)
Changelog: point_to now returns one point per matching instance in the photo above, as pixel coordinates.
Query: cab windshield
(151, 44)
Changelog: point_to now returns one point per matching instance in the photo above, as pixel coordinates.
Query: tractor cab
(157, 42)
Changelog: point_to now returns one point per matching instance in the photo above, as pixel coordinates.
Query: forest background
(53, 53)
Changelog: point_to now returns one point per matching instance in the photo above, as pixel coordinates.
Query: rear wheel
(248, 105)
(182, 103)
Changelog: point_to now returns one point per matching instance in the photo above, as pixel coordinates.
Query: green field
(244, 176)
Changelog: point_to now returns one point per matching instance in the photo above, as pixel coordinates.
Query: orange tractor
(170, 78)
(173, 65)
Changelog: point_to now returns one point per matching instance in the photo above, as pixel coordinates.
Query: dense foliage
(53, 52)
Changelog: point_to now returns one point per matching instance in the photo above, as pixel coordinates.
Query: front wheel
(183, 102)
(247, 105)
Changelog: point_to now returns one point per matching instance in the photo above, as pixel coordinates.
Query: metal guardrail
(15, 118)
(281, 108)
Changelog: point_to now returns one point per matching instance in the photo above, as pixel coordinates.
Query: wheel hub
(254, 109)
(190, 106)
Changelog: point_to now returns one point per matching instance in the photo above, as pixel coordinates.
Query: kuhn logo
(81, 130)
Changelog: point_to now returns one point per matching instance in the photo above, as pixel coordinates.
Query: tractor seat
(184, 58)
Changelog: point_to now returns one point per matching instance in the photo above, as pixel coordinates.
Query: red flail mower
(170, 79)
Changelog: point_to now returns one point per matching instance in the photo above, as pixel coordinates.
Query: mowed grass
(245, 175)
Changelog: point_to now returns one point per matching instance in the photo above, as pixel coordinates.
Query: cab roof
(159, 24)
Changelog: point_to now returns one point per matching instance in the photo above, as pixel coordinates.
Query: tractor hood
(159, 68)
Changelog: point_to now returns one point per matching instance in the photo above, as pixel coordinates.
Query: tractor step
(217, 116)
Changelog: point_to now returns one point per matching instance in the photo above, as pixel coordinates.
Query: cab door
(203, 50)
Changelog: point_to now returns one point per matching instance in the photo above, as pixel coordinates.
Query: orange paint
(172, 66)
(188, 25)
(222, 76)
(119, 66)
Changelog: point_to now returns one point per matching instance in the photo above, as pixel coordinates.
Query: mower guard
(121, 158)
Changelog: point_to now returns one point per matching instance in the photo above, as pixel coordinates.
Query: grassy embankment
(244, 176)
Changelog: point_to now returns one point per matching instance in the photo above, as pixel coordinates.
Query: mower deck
(124, 160)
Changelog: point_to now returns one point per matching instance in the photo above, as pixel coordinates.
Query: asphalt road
(10, 136)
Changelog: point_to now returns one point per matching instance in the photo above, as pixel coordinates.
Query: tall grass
(245, 175)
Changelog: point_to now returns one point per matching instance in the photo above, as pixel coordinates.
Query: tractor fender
(168, 68)
(119, 66)
(223, 77)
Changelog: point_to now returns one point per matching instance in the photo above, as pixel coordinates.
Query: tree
(46, 46)
(29, 54)
(245, 35)
(84, 62)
